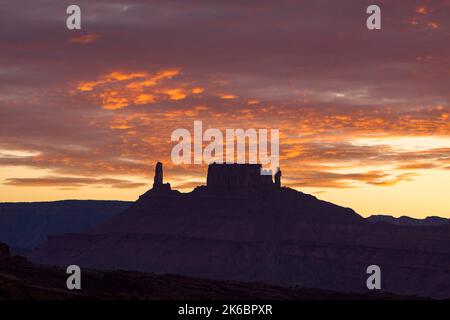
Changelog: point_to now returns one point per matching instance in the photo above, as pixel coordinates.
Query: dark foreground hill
(25, 225)
(242, 227)
(19, 279)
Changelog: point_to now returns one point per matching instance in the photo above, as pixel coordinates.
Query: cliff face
(21, 280)
(231, 229)
(9, 262)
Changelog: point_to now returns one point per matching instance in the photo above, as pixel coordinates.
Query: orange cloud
(433, 25)
(394, 181)
(307, 177)
(175, 94)
(144, 99)
(108, 78)
(421, 10)
(198, 90)
(117, 89)
(120, 127)
(87, 38)
(111, 100)
(413, 166)
(228, 97)
(152, 80)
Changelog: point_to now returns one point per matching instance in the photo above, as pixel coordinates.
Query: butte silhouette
(245, 226)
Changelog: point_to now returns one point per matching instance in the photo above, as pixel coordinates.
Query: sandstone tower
(158, 183)
(278, 178)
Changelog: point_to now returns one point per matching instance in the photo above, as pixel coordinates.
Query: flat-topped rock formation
(234, 228)
(239, 176)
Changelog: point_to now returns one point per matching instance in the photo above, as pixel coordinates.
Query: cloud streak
(62, 181)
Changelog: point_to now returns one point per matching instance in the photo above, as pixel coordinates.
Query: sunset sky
(364, 116)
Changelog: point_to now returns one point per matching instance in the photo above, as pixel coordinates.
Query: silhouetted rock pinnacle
(278, 178)
(158, 179)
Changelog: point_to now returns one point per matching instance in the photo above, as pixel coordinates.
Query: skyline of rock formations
(234, 228)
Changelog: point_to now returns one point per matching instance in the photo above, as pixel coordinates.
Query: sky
(364, 116)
